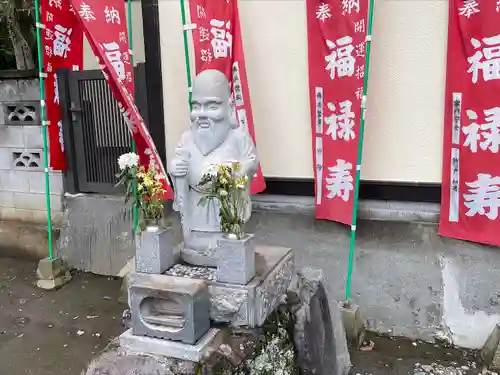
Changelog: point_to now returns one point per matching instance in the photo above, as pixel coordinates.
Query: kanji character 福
(222, 42)
(114, 56)
(340, 60)
(62, 41)
(490, 66)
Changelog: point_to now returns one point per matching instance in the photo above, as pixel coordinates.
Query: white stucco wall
(406, 94)
(89, 60)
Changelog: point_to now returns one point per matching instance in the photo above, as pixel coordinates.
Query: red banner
(471, 162)
(218, 45)
(62, 39)
(105, 26)
(336, 32)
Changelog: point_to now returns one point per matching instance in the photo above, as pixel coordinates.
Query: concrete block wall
(22, 178)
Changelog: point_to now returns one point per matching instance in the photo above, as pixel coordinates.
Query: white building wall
(406, 94)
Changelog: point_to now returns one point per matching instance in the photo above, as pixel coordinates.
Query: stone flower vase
(154, 250)
(236, 260)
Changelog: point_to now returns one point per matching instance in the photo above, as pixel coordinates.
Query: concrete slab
(166, 348)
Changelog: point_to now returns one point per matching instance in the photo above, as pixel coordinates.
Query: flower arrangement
(149, 182)
(226, 184)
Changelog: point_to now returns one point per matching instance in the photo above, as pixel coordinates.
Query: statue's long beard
(209, 139)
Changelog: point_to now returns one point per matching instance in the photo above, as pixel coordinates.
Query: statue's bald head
(211, 83)
(210, 110)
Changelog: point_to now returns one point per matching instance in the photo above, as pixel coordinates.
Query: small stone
(465, 367)
(80, 332)
(65, 345)
(414, 343)
(97, 335)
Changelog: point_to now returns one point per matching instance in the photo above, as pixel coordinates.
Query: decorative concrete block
(154, 250)
(168, 307)
(22, 113)
(24, 159)
(236, 260)
(171, 349)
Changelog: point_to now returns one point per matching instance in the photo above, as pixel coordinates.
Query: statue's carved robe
(238, 146)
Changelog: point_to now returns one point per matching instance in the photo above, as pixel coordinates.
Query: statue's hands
(179, 167)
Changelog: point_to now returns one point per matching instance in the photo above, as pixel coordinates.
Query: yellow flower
(223, 181)
(139, 187)
(148, 181)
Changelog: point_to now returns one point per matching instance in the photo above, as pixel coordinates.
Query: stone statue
(214, 137)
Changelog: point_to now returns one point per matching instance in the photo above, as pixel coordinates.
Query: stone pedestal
(52, 273)
(236, 260)
(154, 250)
(249, 305)
(170, 308)
(167, 348)
(353, 323)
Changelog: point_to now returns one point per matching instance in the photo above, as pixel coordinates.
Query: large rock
(319, 335)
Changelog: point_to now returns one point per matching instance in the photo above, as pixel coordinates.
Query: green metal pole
(135, 212)
(186, 51)
(352, 242)
(45, 123)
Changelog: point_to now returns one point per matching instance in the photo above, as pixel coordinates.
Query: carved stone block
(168, 307)
(154, 250)
(250, 305)
(236, 263)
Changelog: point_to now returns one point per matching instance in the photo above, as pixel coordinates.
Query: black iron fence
(95, 134)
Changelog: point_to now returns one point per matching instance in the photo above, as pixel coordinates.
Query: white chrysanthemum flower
(128, 160)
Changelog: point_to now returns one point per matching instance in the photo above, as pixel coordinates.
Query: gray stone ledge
(368, 209)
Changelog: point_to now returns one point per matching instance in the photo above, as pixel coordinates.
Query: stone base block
(236, 260)
(200, 249)
(169, 307)
(154, 250)
(166, 348)
(52, 273)
(249, 305)
(353, 323)
(490, 354)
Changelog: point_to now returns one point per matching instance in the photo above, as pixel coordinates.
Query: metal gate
(95, 133)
